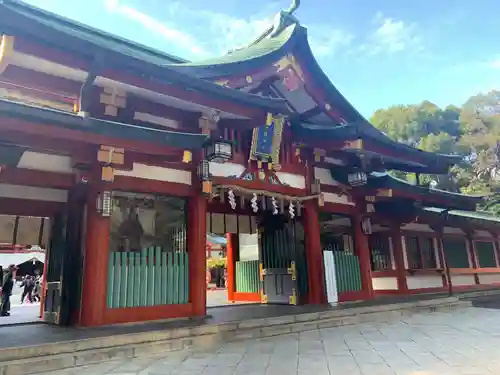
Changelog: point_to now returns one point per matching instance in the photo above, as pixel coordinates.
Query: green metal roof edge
(355, 130)
(406, 184)
(91, 30)
(72, 121)
(479, 215)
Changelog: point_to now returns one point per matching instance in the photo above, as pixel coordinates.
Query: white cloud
(495, 63)
(392, 36)
(326, 41)
(203, 33)
(169, 32)
(196, 32)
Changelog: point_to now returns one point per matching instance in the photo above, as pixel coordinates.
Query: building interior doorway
(23, 243)
(261, 259)
(48, 249)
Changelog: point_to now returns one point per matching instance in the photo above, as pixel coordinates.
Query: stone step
(54, 356)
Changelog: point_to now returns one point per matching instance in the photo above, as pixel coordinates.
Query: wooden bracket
(111, 156)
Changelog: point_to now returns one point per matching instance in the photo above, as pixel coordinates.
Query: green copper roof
(383, 180)
(258, 50)
(356, 130)
(20, 19)
(67, 120)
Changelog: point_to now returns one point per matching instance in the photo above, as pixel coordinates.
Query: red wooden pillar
(362, 250)
(314, 254)
(397, 247)
(230, 259)
(197, 239)
(95, 269)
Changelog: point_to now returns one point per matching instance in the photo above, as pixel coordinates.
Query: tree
(472, 131)
(425, 126)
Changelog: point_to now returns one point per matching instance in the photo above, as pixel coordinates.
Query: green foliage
(472, 131)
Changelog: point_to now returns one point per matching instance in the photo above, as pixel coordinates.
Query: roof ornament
(293, 7)
(284, 19)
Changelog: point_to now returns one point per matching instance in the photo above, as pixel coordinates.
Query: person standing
(8, 285)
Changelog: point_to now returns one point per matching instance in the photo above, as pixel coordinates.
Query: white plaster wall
(333, 161)
(45, 162)
(449, 230)
(226, 169)
(324, 176)
(483, 234)
(422, 282)
(417, 227)
(489, 278)
(385, 283)
(294, 180)
(458, 280)
(149, 172)
(337, 198)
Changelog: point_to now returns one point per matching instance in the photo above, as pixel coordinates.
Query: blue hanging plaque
(266, 141)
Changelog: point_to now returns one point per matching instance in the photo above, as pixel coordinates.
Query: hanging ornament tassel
(231, 198)
(255, 206)
(291, 210)
(274, 205)
(299, 208)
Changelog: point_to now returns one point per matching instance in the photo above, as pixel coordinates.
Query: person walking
(37, 289)
(8, 285)
(28, 285)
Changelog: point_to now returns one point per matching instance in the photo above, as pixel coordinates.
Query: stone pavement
(463, 341)
(22, 314)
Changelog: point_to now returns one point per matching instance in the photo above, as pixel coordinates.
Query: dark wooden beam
(310, 113)
(32, 128)
(41, 82)
(53, 54)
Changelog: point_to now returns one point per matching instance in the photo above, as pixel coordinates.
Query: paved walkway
(464, 342)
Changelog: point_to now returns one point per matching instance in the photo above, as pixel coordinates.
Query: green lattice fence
(486, 254)
(455, 252)
(348, 273)
(147, 278)
(247, 276)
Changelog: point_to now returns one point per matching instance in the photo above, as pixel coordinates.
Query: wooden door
(65, 262)
(277, 245)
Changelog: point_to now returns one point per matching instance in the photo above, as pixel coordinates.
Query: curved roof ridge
(264, 47)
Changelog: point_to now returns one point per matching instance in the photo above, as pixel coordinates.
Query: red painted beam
(19, 176)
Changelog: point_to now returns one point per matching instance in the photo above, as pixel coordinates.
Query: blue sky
(377, 53)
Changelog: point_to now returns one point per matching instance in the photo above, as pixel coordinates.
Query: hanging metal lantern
(357, 178)
(104, 204)
(218, 150)
(204, 170)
